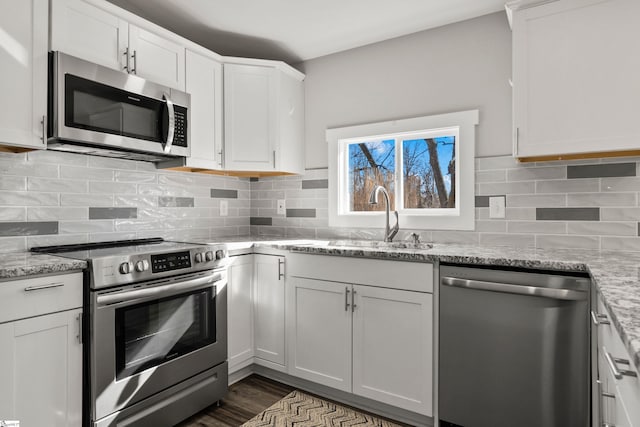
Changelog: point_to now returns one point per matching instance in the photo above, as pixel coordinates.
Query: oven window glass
(102, 108)
(151, 333)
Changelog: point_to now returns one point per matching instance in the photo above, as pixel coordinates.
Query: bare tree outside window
(428, 173)
(371, 164)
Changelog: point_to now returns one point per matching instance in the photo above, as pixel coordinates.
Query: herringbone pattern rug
(299, 409)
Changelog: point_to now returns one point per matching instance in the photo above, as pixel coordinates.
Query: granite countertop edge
(21, 265)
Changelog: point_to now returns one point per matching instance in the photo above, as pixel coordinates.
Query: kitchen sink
(381, 245)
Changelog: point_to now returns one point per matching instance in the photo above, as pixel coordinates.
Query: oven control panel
(172, 261)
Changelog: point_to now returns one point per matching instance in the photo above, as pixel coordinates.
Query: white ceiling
(298, 30)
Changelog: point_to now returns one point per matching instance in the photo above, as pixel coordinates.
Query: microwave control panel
(180, 131)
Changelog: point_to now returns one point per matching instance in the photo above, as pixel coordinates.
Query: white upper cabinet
(576, 78)
(156, 58)
(91, 30)
(249, 111)
(23, 58)
(204, 83)
(88, 32)
(263, 117)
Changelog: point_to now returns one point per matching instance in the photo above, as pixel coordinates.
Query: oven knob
(142, 265)
(199, 257)
(125, 268)
(219, 254)
(209, 256)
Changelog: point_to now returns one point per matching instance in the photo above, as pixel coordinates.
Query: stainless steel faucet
(389, 232)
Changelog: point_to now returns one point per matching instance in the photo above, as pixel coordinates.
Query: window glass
(370, 164)
(428, 173)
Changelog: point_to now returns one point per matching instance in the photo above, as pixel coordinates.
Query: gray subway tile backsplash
(175, 202)
(112, 213)
(256, 220)
(28, 228)
(301, 213)
(219, 193)
(568, 214)
(601, 170)
(315, 183)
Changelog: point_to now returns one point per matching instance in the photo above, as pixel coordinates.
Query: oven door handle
(157, 291)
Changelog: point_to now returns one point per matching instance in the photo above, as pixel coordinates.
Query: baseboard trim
(339, 396)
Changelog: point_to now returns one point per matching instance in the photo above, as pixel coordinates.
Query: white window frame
(460, 124)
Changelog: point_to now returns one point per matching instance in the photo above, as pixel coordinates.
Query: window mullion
(399, 175)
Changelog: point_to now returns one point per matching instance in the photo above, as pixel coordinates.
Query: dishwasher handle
(534, 291)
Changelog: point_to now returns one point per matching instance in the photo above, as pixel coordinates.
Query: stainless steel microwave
(101, 111)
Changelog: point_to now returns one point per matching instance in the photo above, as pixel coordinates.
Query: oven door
(150, 336)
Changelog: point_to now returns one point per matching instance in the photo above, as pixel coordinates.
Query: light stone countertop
(23, 264)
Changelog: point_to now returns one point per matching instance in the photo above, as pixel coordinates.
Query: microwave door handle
(171, 128)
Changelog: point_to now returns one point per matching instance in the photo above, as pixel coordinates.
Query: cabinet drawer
(35, 296)
(410, 276)
(628, 387)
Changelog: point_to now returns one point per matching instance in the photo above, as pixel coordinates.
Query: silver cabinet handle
(534, 291)
(79, 319)
(599, 319)
(274, 159)
(41, 287)
(171, 127)
(126, 54)
(43, 122)
(353, 301)
(134, 70)
(613, 365)
(280, 269)
(346, 299)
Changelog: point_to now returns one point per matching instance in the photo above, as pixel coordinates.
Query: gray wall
(456, 67)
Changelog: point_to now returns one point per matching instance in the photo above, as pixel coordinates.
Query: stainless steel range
(157, 343)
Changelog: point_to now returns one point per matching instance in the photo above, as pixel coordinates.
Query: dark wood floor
(246, 399)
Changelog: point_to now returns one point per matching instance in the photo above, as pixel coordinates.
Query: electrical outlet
(282, 209)
(224, 207)
(496, 207)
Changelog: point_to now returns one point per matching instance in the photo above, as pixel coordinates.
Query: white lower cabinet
(372, 341)
(618, 396)
(320, 338)
(269, 310)
(240, 312)
(392, 351)
(41, 356)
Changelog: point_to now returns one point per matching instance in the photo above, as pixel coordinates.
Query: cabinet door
(612, 410)
(269, 308)
(249, 123)
(240, 312)
(320, 333)
(23, 55)
(156, 58)
(290, 141)
(88, 32)
(41, 370)
(576, 85)
(204, 83)
(393, 347)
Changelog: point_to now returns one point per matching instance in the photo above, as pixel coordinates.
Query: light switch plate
(497, 207)
(282, 209)
(224, 207)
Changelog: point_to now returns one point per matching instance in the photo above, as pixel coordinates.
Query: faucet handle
(416, 238)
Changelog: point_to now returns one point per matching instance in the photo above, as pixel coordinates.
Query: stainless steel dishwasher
(513, 349)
